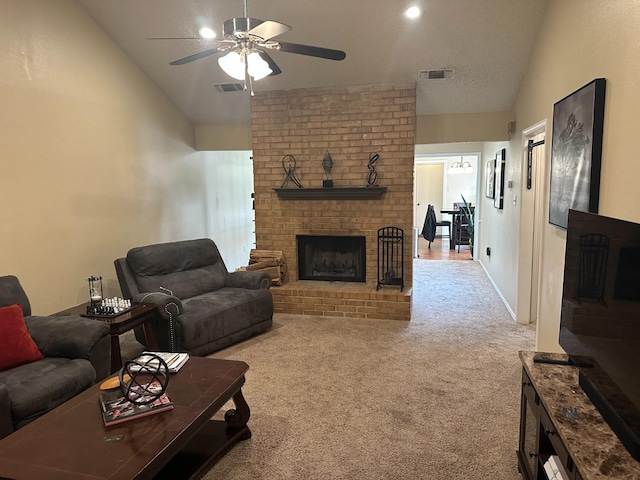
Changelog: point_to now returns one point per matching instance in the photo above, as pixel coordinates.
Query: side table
(140, 315)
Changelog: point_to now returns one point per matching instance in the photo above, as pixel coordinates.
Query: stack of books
(174, 361)
(117, 409)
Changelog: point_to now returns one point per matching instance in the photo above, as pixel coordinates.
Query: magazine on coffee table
(117, 409)
(174, 361)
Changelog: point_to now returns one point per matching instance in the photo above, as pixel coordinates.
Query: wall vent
(436, 74)
(229, 87)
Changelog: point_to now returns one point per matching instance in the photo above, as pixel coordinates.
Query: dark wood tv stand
(557, 418)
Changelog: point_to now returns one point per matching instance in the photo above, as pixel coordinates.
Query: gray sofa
(202, 306)
(76, 354)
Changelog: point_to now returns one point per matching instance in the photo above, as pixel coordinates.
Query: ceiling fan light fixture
(233, 65)
(244, 46)
(258, 67)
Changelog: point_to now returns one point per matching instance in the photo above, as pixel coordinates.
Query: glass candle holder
(95, 290)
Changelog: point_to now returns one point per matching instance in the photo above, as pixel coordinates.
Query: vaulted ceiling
(486, 44)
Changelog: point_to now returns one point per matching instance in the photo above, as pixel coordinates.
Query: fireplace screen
(331, 258)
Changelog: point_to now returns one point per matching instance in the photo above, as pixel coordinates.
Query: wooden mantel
(330, 193)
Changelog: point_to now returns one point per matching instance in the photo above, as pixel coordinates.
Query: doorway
(442, 180)
(532, 221)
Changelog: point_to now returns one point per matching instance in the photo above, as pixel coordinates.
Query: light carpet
(434, 398)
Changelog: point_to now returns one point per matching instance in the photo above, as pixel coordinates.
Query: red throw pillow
(16, 345)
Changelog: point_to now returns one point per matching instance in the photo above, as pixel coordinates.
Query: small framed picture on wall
(489, 177)
(498, 199)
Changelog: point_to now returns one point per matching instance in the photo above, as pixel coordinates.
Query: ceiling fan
(246, 41)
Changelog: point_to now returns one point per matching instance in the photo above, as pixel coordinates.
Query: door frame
(532, 223)
(422, 158)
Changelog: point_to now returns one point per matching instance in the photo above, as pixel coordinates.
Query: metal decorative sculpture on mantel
(289, 167)
(332, 193)
(372, 177)
(327, 165)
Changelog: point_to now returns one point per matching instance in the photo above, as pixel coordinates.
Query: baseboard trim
(495, 287)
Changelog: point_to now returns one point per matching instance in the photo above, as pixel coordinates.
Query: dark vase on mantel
(327, 165)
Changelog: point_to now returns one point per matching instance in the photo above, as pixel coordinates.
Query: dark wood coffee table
(140, 315)
(71, 442)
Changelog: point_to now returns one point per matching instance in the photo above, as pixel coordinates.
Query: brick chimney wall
(350, 123)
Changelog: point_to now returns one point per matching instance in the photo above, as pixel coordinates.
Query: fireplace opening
(331, 258)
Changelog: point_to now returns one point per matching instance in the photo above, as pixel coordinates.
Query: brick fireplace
(350, 123)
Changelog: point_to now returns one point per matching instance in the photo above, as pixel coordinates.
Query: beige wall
(430, 129)
(95, 159)
(462, 127)
(449, 148)
(579, 41)
(493, 226)
(223, 137)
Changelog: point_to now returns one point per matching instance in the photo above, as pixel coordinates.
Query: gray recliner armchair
(202, 307)
(77, 353)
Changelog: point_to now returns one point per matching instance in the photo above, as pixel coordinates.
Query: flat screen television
(600, 320)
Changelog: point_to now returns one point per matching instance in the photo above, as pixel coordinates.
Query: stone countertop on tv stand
(594, 447)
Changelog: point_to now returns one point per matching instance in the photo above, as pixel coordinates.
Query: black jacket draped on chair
(429, 227)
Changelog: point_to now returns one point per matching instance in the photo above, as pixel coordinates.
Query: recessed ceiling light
(413, 12)
(206, 32)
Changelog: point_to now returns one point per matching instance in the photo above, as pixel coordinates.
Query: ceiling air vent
(436, 74)
(229, 87)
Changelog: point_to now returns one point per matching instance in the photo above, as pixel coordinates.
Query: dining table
(453, 236)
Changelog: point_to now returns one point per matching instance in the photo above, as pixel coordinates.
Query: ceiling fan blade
(275, 70)
(312, 51)
(269, 29)
(196, 56)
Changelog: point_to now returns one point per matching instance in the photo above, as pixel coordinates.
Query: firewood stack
(270, 261)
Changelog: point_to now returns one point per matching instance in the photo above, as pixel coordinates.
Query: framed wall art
(498, 199)
(576, 152)
(489, 178)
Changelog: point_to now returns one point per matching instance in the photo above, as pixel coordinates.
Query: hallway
(440, 250)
